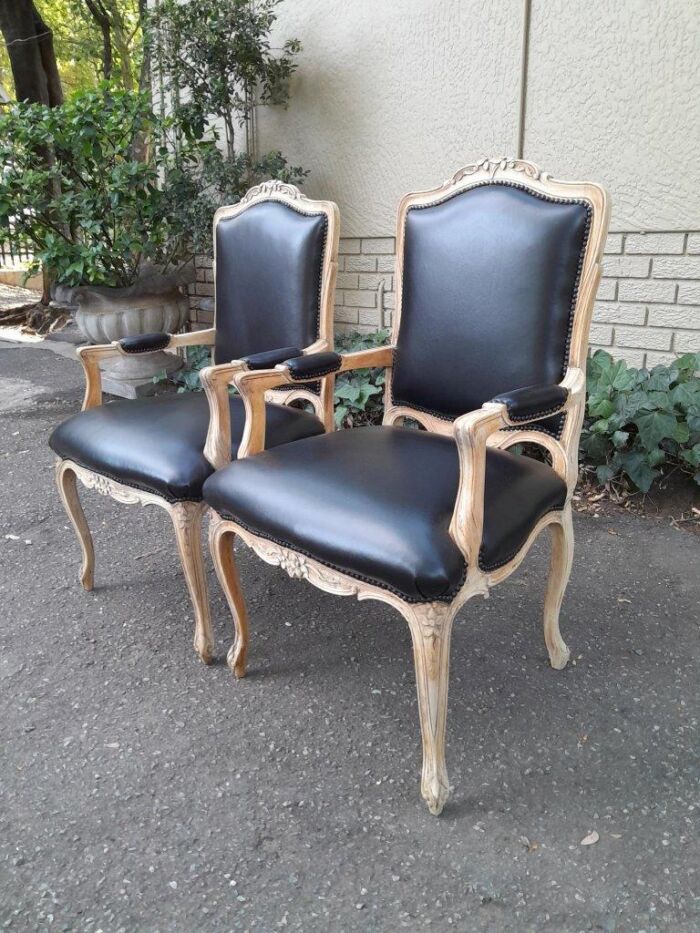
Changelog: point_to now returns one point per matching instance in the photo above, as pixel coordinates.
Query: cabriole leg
(221, 542)
(431, 626)
(67, 489)
(560, 568)
(187, 521)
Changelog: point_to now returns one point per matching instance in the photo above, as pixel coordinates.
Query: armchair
(275, 266)
(496, 274)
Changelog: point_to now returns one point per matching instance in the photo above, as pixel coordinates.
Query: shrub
(639, 421)
(75, 185)
(217, 63)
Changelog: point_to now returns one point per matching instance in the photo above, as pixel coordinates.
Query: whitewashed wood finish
(430, 624)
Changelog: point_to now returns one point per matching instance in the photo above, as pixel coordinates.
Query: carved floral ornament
(493, 166)
(272, 187)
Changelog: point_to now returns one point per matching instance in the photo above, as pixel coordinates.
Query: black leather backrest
(489, 284)
(269, 263)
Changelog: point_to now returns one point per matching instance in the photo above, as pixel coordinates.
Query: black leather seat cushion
(156, 444)
(376, 503)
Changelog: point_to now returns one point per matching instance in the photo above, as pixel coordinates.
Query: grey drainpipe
(527, 7)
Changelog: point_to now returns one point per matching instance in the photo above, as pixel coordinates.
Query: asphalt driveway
(142, 791)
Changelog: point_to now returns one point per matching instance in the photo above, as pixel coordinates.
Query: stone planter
(107, 314)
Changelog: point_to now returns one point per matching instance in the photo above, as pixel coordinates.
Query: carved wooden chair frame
(187, 516)
(430, 623)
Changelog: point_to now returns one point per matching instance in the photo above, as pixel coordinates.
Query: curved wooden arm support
(563, 450)
(216, 381)
(253, 386)
(472, 432)
(90, 356)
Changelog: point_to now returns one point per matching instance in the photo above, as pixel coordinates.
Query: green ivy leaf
(686, 394)
(692, 456)
(635, 465)
(655, 426)
(656, 457)
(601, 407)
(605, 473)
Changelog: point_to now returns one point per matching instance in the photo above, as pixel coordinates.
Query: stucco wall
(614, 94)
(391, 96)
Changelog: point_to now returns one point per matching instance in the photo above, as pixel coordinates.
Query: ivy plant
(359, 394)
(640, 421)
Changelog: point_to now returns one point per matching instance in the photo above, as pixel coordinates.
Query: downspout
(524, 57)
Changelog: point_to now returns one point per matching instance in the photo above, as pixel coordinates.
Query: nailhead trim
(154, 349)
(445, 598)
(537, 414)
(123, 482)
(574, 297)
(316, 374)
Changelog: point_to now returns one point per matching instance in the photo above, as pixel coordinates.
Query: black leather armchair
(496, 275)
(275, 260)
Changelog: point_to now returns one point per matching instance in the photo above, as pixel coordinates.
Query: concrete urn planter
(106, 314)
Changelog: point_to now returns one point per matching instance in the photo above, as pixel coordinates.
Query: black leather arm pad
(144, 343)
(533, 402)
(314, 365)
(269, 358)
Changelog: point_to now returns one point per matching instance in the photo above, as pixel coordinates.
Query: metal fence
(14, 251)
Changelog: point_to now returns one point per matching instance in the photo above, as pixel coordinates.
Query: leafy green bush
(359, 395)
(84, 183)
(221, 61)
(638, 421)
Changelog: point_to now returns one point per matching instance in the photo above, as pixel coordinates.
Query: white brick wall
(647, 311)
(648, 307)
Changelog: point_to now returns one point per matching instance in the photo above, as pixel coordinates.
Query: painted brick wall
(647, 312)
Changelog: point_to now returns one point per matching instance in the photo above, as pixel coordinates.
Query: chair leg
(221, 544)
(560, 568)
(431, 627)
(187, 521)
(67, 489)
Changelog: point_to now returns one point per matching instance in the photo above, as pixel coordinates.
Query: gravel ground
(11, 296)
(142, 791)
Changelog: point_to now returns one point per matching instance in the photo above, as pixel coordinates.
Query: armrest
(217, 379)
(533, 403)
(144, 343)
(253, 385)
(91, 355)
(269, 358)
(313, 366)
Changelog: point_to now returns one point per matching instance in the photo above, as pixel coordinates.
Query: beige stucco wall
(614, 94)
(391, 96)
